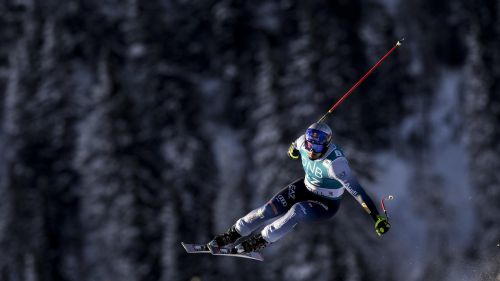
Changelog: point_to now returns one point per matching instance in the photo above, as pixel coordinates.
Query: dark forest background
(129, 126)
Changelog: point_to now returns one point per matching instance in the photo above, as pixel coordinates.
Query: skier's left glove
(382, 225)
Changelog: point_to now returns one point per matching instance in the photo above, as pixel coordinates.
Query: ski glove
(293, 152)
(382, 225)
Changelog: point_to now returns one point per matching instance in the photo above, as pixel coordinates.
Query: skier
(315, 197)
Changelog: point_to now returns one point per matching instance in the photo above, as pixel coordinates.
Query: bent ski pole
(360, 81)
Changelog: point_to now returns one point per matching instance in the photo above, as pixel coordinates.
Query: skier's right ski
(216, 251)
(223, 251)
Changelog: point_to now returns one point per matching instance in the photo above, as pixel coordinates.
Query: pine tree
(43, 214)
(481, 118)
(105, 161)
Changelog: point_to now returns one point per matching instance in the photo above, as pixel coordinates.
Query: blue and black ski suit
(314, 197)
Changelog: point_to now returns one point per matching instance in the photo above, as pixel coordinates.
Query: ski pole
(390, 197)
(360, 81)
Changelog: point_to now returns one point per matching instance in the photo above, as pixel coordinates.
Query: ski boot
(253, 244)
(226, 238)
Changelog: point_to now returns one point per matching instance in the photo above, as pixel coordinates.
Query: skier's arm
(343, 173)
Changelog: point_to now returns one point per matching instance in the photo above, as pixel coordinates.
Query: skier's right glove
(293, 152)
(382, 225)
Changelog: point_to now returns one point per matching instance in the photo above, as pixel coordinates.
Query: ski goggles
(316, 141)
(316, 148)
(317, 136)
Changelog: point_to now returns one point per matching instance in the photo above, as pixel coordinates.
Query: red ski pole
(360, 81)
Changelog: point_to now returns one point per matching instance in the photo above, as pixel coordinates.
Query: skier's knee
(266, 211)
(299, 210)
(255, 218)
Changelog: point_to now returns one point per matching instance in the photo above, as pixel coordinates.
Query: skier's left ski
(216, 251)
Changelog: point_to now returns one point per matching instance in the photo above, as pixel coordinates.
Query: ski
(196, 248)
(216, 251)
(206, 249)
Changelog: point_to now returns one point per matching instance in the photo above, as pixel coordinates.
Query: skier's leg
(278, 205)
(305, 211)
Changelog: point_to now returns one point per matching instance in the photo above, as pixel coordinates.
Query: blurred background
(129, 126)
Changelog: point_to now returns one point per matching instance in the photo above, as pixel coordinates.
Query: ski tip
(195, 248)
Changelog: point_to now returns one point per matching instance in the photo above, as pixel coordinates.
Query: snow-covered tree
(482, 114)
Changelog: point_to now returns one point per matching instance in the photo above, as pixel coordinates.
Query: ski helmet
(318, 138)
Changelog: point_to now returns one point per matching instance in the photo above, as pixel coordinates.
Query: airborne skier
(315, 197)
